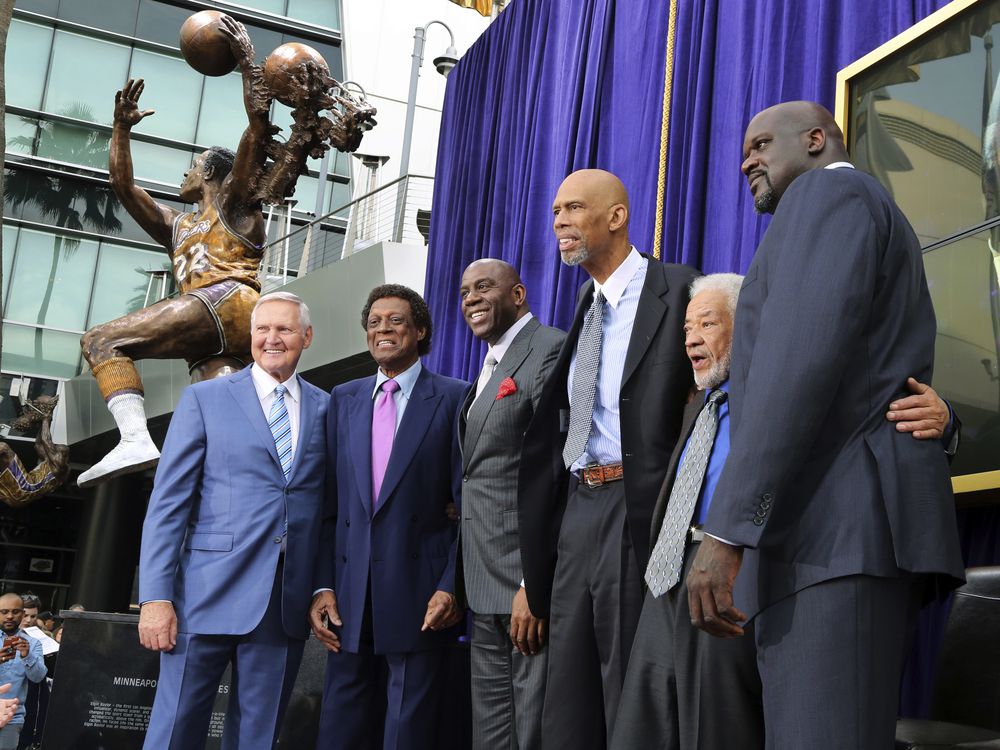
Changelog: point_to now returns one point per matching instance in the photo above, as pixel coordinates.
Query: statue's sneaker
(127, 457)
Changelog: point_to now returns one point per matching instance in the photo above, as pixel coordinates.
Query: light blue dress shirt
(621, 292)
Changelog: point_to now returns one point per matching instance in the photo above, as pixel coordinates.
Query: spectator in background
(46, 622)
(31, 606)
(20, 663)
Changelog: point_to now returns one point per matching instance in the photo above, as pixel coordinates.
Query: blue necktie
(281, 429)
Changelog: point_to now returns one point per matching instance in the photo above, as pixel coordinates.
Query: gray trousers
(507, 688)
(10, 735)
(686, 689)
(596, 599)
(830, 660)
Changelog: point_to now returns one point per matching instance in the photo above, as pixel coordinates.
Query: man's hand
(239, 40)
(23, 647)
(7, 706)
(452, 512)
(8, 653)
(323, 613)
(127, 113)
(924, 414)
(527, 632)
(158, 626)
(710, 589)
(442, 611)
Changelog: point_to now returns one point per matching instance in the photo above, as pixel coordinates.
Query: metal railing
(396, 212)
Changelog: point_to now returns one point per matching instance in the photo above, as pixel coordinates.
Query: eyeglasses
(15, 612)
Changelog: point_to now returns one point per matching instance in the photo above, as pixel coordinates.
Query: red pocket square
(507, 387)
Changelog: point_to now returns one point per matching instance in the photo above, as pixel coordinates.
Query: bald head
(785, 141)
(493, 298)
(591, 221)
(11, 610)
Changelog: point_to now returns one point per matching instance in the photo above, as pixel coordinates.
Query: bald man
(595, 456)
(509, 657)
(840, 522)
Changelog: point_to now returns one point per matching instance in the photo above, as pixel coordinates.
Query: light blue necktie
(281, 429)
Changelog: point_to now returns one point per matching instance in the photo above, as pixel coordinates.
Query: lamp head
(447, 61)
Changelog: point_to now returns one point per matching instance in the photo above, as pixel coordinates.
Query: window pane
(73, 144)
(305, 194)
(223, 118)
(9, 247)
(38, 352)
(20, 132)
(270, 6)
(84, 77)
(47, 7)
(320, 12)
(264, 40)
(159, 22)
(173, 89)
(113, 15)
(122, 281)
(339, 195)
(26, 62)
(160, 163)
(63, 201)
(52, 280)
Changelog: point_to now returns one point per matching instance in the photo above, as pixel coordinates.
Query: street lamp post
(444, 64)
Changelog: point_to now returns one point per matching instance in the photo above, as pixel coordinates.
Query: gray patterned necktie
(588, 360)
(667, 558)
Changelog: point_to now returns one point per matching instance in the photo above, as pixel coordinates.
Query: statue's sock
(130, 416)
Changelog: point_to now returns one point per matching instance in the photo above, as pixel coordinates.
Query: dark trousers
(830, 660)
(264, 665)
(686, 689)
(361, 688)
(596, 599)
(507, 688)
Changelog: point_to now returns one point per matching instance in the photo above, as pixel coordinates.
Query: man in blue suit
(231, 538)
(385, 579)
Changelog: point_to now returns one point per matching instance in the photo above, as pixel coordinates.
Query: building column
(108, 544)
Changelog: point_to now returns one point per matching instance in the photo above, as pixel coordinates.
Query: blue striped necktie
(281, 429)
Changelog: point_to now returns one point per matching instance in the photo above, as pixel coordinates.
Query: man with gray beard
(684, 689)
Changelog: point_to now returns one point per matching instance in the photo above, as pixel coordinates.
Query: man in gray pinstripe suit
(508, 658)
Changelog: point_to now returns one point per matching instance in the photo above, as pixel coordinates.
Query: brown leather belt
(595, 476)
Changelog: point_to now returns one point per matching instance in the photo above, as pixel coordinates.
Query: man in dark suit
(230, 540)
(839, 521)
(605, 426)
(508, 655)
(385, 577)
(684, 689)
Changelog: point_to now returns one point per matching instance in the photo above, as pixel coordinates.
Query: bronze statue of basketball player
(216, 252)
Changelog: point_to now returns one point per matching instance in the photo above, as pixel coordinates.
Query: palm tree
(59, 199)
(6, 10)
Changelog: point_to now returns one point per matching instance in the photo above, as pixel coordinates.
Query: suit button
(767, 497)
(765, 505)
(628, 455)
(343, 558)
(414, 556)
(277, 540)
(347, 523)
(413, 518)
(758, 521)
(465, 478)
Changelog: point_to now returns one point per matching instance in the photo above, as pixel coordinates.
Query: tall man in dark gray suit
(508, 658)
(684, 689)
(605, 427)
(839, 521)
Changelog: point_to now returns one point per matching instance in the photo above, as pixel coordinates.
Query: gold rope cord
(668, 80)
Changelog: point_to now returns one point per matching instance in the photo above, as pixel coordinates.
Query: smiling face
(589, 211)
(393, 337)
(11, 611)
(708, 337)
(493, 299)
(277, 338)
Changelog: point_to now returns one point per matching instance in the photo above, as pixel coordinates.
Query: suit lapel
(648, 316)
(416, 419)
(359, 430)
(245, 394)
(479, 410)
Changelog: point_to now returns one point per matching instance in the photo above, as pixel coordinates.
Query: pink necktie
(383, 431)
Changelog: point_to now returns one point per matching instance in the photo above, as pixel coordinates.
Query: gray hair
(727, 283)
(304, 318)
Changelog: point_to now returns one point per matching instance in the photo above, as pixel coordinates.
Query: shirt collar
(503, 343)
(839, 165)
(406, 379)
(265, 384)
(723, 386)
(614, 286)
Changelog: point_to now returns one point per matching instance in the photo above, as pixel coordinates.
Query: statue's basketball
(205, 48)
(283, 68)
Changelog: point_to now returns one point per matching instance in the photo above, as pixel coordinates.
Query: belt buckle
(593, 470)
(695, 534)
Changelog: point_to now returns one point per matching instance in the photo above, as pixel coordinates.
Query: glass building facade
(72, 257)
